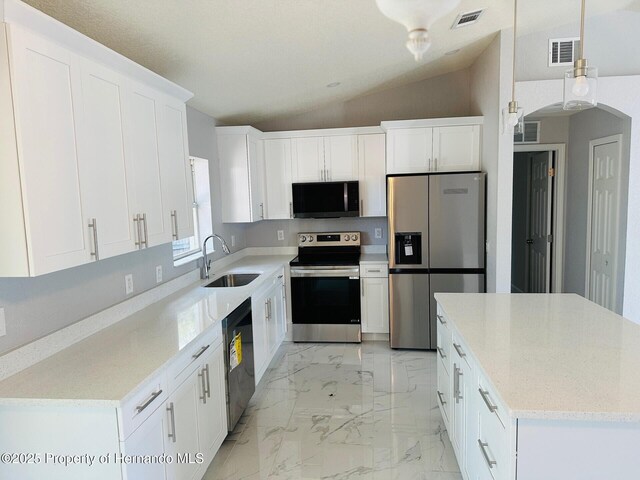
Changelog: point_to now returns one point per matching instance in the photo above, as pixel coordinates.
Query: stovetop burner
(328, 249)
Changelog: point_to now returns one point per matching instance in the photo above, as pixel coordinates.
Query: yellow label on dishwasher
(238, 341)
(235, 351)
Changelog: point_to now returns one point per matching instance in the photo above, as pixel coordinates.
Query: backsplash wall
(265, 233)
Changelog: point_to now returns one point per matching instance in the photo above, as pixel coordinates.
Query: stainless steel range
(325, 288)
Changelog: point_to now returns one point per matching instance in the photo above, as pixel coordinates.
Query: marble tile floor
(338, 412)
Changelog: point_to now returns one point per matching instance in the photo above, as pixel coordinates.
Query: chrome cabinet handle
(174, 223)
(291, 209)
(441, 352)
(270, 310)
(456, 381)
(262, 211)
(149, 401)
(266, 310)
(93, 225)
(322, 174)
(441, 319)
(362, 287)
(136, 220)
(377, 270)
(146, 233)
(361, 207)
(430, 163)
(200, 352)
(206, 367)
(485, 454)
(172, 416)
(435, 161)
(459, 350)
(203, 397)
(485, 396)
(440, 397)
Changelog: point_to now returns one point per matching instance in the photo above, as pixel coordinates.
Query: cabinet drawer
(492, 444)
(141, 404)
(187, 360)
(373, 270)
(443, 349)
(444, 394)
(459, 350)
(488, 403)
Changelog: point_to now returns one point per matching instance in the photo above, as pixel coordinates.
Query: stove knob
(310, 238)
(303, 238)
(346, 238)
(354, 237)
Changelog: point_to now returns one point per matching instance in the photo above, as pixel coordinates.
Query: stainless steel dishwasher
(238, 360)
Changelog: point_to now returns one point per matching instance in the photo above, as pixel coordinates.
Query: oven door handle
(315, 272)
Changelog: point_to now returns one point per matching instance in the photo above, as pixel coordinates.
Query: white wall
(489, 93)
(611, 45)
(620, 96)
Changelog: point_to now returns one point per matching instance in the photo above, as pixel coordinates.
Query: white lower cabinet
(149, 439)
(212, 412)
(374, 298)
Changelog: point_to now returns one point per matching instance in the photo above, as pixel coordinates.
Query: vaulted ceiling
(250, 60)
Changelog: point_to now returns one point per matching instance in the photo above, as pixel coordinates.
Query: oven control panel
(331, 239)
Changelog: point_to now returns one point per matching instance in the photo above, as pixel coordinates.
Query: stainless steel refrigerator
(436, 244)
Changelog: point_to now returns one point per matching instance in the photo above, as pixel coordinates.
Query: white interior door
(602, 241)
(539, 256)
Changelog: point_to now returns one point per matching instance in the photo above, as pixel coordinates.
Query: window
(201, 211)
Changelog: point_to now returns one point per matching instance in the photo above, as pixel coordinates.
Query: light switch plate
(158, 273)
(378, 233)
(128, 284)
(3, 324)
(280, 234)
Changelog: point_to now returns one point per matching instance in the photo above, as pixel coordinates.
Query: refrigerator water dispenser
(408, 248)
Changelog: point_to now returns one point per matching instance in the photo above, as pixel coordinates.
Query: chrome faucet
(206, 267)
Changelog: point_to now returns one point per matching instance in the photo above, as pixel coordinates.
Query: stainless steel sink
(233, 280)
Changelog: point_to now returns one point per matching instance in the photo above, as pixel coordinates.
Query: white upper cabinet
(240, 152)
(456, 148)
(106, 172)
(92, 146)
(47, 97)
(437, 145)
(277, 178)
(175, 169)
(341, 158)
(308, 159)
(373, 187)
(409, 150)
(324, 159)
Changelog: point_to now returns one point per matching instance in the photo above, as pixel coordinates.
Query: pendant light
(581, 81)
(417, 16)
(512, 115)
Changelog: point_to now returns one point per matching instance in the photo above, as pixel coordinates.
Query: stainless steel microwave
(326, 200)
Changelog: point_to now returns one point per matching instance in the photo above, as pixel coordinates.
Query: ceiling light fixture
(581, 81)
(417, 16)
(512, 115)
(333, 84)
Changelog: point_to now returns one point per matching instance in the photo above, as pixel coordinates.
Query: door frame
(560, 150)
(587, 278)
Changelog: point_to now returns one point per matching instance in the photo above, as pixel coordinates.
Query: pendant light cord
(513, 77)
(581, 30)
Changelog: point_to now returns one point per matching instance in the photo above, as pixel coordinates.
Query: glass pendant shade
(580, 86)
(513, 119)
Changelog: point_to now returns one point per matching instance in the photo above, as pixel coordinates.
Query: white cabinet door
(375, 305)
(256, 177)
(456, 148)
(183, 429)
(409, 150)
(149, 439)
(105, 171)
(141, 145)
(212, 413)
(259, 308)
(175, 169)
(307, 159)
(372, 168)
(47, 98)
(277, 168)
(341, 158)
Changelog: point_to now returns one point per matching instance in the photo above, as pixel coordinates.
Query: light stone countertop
(555, 356)
(374, 258)
(103, 369)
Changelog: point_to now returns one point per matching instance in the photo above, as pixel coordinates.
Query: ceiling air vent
(563, 51)
(531, 133)
(466, 19)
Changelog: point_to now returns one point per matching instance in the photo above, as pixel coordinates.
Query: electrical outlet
(158, 273)
(3, 324)
(233, 240)
(128, 284)
(280, 234)
(378, 233)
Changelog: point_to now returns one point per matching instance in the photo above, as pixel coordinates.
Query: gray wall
(611, 45)
(265, 234)
(584, 127)
(35, 307)
(442, 96)
(553, 129)
(518, 239)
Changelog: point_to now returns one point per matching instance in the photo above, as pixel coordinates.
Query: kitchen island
(538, 386)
